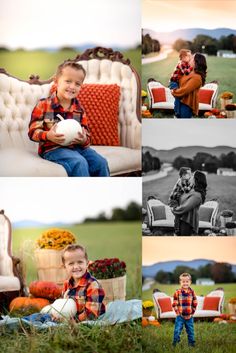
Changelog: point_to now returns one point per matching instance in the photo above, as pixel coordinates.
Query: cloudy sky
(169, 15)
(157, 249)
(34, 24)
(170, 133)
(65, 199)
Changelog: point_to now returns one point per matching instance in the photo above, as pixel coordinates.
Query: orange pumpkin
(217, 319)
(26, 303)
(145, 322)
(44, 289)
(154, 323)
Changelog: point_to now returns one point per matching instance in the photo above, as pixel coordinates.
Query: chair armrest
(18, 272)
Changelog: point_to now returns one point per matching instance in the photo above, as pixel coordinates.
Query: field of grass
(102, 240)
(22, 64)
(221, 188)
(229, 290)
(210, 338)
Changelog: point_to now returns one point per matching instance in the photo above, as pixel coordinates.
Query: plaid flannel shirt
(181, 69)
(185, 302)
(181, 187)
(88, 295)
(44, 116)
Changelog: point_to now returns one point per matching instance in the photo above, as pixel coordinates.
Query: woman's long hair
(200, 66)
(200, 184)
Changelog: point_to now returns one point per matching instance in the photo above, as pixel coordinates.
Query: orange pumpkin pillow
(159, 94)
(205, 95)
(101, 105)
(165, 304)
(211, 303)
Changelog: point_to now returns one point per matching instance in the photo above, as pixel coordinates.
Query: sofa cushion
(165, 304)
(159, 94)
(205, 95)
(159, 212)
(9, 283)
(211, 303)
(101, 104)
(205, 214)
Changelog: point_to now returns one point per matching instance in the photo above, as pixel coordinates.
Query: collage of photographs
(118, 176)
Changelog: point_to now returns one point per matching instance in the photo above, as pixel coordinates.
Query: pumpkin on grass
(44, 289)
(26, 304)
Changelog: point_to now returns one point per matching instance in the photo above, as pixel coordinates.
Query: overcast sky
(158, 249)
(169, 15)
(33, 23)
(65, 199)
(169, 133)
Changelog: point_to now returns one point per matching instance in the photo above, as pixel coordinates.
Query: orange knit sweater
(188, 91)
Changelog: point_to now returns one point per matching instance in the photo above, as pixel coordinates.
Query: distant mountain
(188, 34)
(169, 266)
(186, 152)
(34, 224)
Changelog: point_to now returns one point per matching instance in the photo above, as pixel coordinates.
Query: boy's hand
(54, 137)
(81, 139)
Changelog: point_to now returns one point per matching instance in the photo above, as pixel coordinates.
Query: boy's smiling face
(75, 263)
(185, 282)
(69, 83)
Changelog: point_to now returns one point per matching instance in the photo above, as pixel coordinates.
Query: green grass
(75, 339)
(219, 69)
(102, 240)
(210, 338)
(229, 290)
(24, 63)
(219, 187)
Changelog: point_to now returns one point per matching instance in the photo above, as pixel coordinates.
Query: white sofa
(199, 313)
(166, 101)
(11, 281)
(160, 215)
(18, 155)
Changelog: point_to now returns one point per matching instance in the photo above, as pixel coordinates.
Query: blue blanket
(119, 311)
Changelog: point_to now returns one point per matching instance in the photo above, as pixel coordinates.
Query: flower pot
(49, 265)
(115, 288)
(232, 309)
(224, 220)
(224, 102)
(231, 231)
(147, 312)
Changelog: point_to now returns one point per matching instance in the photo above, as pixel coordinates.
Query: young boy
(182, 68)
(77, 158)
(81, 286)
(184, 304)
(183, 185)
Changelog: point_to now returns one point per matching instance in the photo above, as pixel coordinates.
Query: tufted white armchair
(18, 155)
(11, 282)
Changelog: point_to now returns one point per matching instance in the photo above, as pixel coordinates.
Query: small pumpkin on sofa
(25, 304)
(45, 289)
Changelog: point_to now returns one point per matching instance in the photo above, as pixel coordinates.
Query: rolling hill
(188, 34)
(187, 152)
(169, 266)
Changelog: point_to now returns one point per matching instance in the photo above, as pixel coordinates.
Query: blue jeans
(180, 322)
(174, 85)
(79, 161)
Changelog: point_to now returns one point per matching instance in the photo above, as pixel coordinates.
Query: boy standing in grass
(81, 286)
(182, 186)
(78, 158)
(184, 304)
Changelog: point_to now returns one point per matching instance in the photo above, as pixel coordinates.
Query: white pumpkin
(69, 128)
(61, 308)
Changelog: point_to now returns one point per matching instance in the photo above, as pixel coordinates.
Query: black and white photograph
(189, 178)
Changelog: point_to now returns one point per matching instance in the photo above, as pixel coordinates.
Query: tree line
(219, 272)
(201, 43)
(206, 162)
(130, 213)
(150, 163)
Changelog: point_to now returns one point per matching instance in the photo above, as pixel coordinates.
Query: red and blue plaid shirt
(88, 295)
(44, 116)
(181, 69)
(185, 302)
